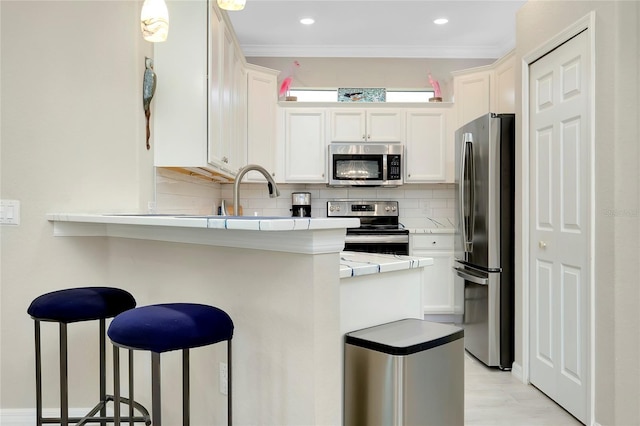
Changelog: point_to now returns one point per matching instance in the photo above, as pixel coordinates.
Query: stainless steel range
(379, 231)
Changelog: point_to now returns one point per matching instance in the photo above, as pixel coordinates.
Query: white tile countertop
(431, 230)
(287, 234)
(252, 223)
(353, 264)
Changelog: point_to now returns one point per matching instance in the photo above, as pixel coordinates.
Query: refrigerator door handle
(469, 276)
(467, 201)
(462, 193)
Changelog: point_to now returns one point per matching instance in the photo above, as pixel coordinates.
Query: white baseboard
(18, 417)
(516, 371)
(27, 416)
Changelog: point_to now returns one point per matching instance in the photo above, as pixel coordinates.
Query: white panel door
(560, 219)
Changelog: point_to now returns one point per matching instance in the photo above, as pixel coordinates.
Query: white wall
(392, 73)
(617, 191)
(72, 140)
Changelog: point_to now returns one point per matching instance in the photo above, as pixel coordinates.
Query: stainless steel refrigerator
(484, 243)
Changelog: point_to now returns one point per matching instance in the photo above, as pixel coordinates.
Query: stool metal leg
(116, 386)
(103, 371)
(38, 375)
(118, 399)
(131, 395)
(185, 387)
(229, 381)
(64, 384)
(156, 403)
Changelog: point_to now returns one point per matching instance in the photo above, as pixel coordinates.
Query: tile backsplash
(421, 205)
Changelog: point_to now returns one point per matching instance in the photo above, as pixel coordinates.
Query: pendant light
(154, 20)
(231, 4)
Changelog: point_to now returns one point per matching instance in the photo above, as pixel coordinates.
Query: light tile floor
(495, 397)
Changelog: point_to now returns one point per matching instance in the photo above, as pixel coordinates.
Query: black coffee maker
(301, 204)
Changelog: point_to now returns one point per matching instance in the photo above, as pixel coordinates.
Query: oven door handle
(376, 239)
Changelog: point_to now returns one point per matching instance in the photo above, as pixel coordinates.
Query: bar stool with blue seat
(77, 305)
(169, 327)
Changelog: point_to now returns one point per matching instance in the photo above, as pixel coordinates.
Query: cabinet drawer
(431, 242)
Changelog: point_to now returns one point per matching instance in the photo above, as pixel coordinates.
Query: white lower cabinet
(440, 296)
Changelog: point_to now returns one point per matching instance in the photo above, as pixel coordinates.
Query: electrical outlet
(224, 378)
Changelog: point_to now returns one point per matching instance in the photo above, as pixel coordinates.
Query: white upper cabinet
(305, 145)
(503, 93)
(262, 102)
(428, 145)
(367, 125)
(227, 122)
(200, 105)
(481, 90)
(471, 93)
(179, 109)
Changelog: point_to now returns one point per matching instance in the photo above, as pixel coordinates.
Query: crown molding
(358, 51)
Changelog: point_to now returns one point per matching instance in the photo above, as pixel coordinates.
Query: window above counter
(306, 94)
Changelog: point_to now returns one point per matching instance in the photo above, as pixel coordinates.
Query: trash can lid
(405, 337)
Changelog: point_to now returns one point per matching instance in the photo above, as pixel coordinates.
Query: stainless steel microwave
(365, 164)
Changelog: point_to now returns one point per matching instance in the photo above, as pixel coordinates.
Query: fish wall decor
(148, 90)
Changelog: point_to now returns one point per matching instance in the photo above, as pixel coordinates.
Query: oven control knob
(387, 208)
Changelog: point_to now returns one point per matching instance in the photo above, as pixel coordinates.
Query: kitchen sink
(249, 217)
(149, 214)
(194, 216)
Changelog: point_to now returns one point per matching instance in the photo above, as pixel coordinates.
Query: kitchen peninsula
(290, 290)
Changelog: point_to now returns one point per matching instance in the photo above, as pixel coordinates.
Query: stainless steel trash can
(408, 372)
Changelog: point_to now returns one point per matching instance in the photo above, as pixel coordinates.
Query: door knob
(542, 244)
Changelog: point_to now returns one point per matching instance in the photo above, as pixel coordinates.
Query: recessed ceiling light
(441, 21)
(307, 21)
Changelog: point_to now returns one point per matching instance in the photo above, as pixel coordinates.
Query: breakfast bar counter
(290, 289)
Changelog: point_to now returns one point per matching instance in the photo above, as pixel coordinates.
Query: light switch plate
(9, 212)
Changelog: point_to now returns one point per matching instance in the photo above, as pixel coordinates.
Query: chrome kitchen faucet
(273, 188)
